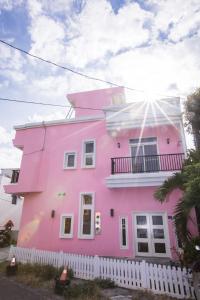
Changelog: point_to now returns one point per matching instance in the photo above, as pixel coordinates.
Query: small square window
(66, 226)
(70, 160)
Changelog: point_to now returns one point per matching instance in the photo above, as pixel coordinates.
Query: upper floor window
(70, 160)
(89, 153)
(144, 154)
(86, 216)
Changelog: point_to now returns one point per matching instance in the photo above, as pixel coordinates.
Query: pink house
(88, 182)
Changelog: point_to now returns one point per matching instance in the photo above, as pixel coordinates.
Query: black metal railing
(15, 176)
(147, 163)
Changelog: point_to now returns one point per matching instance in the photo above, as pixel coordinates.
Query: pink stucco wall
(42, 178)
(97, 99)
(39, 230)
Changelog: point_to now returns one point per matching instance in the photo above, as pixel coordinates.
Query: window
(70, 160)
(66, 226)
(123, 232)
(86, 216)
(89, 150)
(144, 155)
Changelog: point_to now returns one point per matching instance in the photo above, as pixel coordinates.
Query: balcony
(19, 185)
(149, 170)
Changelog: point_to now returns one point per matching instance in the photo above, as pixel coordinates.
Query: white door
(151, 235)
(144, 158)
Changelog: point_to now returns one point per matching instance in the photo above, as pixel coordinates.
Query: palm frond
(173, 182)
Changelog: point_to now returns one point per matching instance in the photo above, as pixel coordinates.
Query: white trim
(93, 154)
(80, 221)
(122, 247)
(62, 234)
(58, 122)
(149, 227)
(66, 160)
(184, 145)
(137, 179)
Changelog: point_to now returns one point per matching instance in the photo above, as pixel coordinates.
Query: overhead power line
(69, 69)
(80, 73)
(51, 104)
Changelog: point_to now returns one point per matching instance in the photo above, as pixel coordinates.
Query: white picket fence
(175, 282)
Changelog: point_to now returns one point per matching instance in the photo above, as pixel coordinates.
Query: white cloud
(9, 4)
(47, 117)
(178, 18)
(47, 35)
(101, 31)
(10, 157)
(5, 136)
(157, 67)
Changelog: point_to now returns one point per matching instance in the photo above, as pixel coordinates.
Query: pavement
(12, 290)
(4, 252)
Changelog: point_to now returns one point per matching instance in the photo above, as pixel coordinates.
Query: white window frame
(84, 154)
(165, 226)
(120, 232)
(80, 223)
(66, 154)
(66, 235)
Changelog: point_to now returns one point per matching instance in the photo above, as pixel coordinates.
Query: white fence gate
(175, 282)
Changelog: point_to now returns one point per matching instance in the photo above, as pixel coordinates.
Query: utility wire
(76, 72)
(69, 69)
(46, 104)
(54, 105)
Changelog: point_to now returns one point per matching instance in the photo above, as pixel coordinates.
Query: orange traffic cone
(63, 276)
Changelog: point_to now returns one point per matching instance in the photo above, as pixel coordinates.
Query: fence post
(143, 274)
(60, 259)
(32, 258)
(11, 252)
(96, 266)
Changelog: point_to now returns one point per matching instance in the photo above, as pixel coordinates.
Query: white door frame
(149, 239)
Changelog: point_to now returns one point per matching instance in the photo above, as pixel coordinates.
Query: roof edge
(58, 122)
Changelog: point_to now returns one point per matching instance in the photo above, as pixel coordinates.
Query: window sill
(66, 237)
(86, 237)
(88, 167)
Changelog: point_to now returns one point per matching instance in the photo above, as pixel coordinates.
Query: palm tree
(188, 181)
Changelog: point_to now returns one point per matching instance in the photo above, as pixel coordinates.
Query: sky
(150, 45)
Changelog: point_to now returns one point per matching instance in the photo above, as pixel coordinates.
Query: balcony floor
(124, 180)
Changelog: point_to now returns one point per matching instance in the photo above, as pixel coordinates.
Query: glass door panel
(151, 162)
(137, 159)
(143, 244)
(158, 226)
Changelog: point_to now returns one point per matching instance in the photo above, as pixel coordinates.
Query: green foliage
(192, 115)
(44, 272)
(188, 180)
(104, 283)
(190, 253)
(85, 290)
(173, 182)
